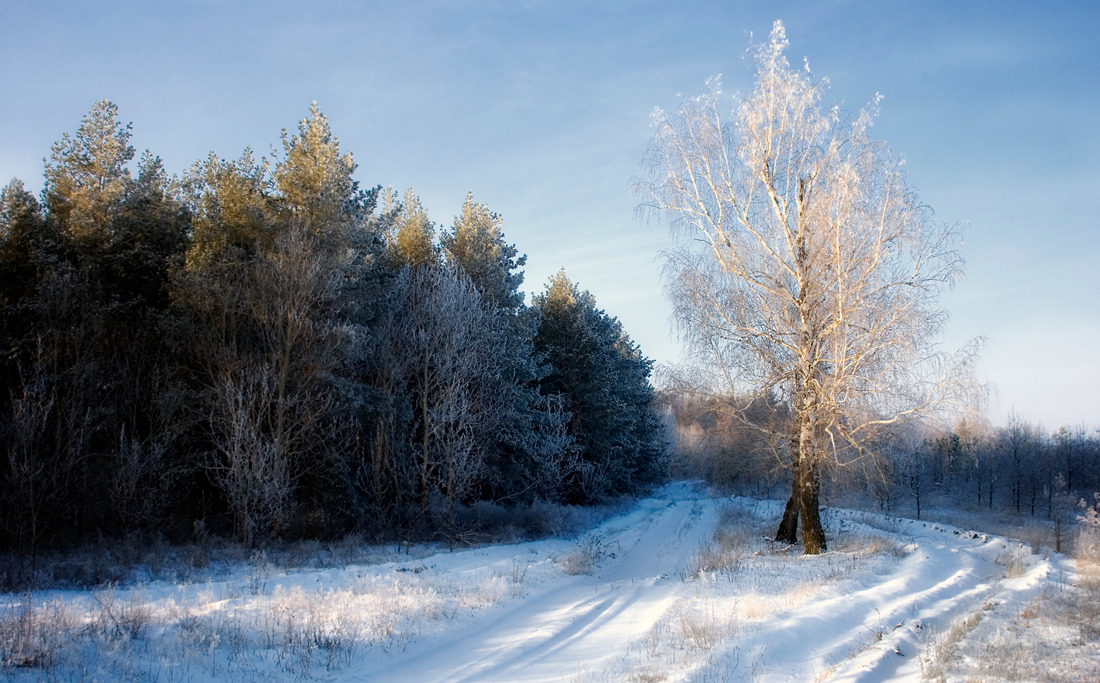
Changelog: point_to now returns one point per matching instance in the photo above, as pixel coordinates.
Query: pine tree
(230, 202)
(525, 438)
(273, 259)
(87, 177)
(85, 312)
(409, 233)
(603, 379)
(23, 243)
(477, 245)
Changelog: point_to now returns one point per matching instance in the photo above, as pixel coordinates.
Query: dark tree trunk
(813, 534)
(788, 526)
(992, 476)
(805, 487)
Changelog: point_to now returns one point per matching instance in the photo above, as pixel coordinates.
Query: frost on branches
(1088, 540)
(810, 274)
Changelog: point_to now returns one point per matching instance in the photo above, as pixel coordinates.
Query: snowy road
(665, 599)
(874, 632)
(581, 622)
(846, 615)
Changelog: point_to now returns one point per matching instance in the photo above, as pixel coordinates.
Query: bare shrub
(305, 629)
(347, 550)
(518, 576)
(586, 556)
(540, 519)
(755, 607)
(1047, 640)
(1015, 561)
(117, 618)
(32, 636)
(711, 558)
(865, 545)
(733, 536)
(735, 529)
(1087, 602)
(255, 476)
(304, 553)
(702, 629)
(1088, 535)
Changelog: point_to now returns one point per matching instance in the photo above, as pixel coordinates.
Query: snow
(875, 607)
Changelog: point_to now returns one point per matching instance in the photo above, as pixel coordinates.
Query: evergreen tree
(477, 245)
(24, 244)
(272, 261)
(314, 180)
(409, 233)
(524, 444)
(87, 177)
(230, 202)
(85, 297)
(604, 381)
(253, 338)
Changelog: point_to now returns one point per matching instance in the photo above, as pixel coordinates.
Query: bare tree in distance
(811, 272)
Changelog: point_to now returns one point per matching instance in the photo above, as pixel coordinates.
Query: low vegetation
(311, 610)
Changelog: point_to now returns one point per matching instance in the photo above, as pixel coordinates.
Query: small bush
(1087, 600)
(711, 558)
(121, 619)
(734, 532)
(1015, 561)
(870, 544)
(540, 520)
(1088, 534)
(938, 652)
(733, 535)
(586, 556)
(702, 629)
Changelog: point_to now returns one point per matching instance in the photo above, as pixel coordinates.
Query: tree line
(739, 443)
(264, 347)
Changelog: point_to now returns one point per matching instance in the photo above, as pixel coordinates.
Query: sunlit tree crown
(313, 177)
(87, 175)
(477, 245)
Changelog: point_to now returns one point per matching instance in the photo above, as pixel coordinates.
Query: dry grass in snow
(1055, 636)
(681, 587)
(269, 623)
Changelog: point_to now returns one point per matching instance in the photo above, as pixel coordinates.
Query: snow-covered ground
(681, 587)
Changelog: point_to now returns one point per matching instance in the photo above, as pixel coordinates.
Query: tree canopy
(260, 345)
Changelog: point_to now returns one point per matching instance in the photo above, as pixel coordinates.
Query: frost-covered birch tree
(810, 270)
(524, 438)
(440, 353)
(270, 261)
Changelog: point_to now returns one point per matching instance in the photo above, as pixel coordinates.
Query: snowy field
(681, 587)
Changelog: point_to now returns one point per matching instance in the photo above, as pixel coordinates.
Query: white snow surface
(860, 612)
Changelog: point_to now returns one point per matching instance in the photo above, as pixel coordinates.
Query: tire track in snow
(581, 621)
(586, 625)
(875, 633)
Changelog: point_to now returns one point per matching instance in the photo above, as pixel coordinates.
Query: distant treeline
(742, 444)
(261, 347)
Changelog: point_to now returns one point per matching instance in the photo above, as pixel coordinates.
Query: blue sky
(541, 109)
